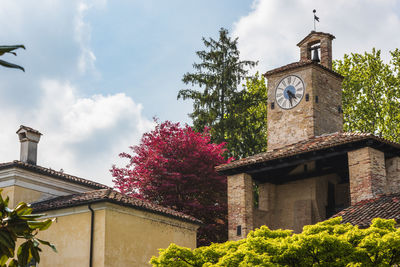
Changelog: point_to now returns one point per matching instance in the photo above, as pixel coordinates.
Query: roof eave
(306, 64)
(102, 200)
(371, 141)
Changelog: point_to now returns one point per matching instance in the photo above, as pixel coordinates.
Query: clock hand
(290, 99)
(291, 95)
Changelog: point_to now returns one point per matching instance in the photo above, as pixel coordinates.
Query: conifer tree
(220, 74)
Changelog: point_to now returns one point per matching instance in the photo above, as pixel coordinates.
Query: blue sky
(98, 71)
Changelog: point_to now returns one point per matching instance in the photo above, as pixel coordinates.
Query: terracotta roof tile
(108, 195)
(362, 213)
(52, 173)
(309, 145)
(300, 64)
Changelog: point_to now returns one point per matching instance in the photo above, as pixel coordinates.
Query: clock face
(289, 92)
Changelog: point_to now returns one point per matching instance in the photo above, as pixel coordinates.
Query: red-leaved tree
(174, 166)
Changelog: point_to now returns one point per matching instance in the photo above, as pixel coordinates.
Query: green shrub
(328, 243)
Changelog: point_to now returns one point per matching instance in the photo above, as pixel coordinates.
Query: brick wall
(325, 42)
(240, 205)
(393, 175)
(367, 174)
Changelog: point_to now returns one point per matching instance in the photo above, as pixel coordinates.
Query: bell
(315, 56)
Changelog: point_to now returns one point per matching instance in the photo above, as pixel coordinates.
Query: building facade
(311, 170)
(94, 225)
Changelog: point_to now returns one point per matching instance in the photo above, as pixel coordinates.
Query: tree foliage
(174, 166)
(8, 49)
(371, 93)
(247, 117)
(221, 105)
(327, 243)
(20, 224)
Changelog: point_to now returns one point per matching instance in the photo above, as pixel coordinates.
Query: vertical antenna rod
(315, 18)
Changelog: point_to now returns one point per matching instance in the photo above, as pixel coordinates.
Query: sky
(97, 72)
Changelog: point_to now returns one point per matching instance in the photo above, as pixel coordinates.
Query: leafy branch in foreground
(8, 49)
(20, 224)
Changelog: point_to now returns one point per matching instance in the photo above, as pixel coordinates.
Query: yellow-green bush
(327, 243)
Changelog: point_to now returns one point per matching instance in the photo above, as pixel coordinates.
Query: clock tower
(304, 98)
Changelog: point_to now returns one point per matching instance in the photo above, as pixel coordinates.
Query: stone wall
(289, 126)
(308, 118)
(328, 118)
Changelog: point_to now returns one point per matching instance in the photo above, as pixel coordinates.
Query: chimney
(29, 139)
(317, 40)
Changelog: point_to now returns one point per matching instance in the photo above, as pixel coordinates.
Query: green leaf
(23, 253)
(35, 254)
(6, 239)
(11, 65)
(3, 259)
(13, 263)
(41, 225)
(9, 48)
(48, 244)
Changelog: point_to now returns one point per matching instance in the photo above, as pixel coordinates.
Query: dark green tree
(8, 49)
(247, 117)
(21, 225)
(371, 93)
(219, 74)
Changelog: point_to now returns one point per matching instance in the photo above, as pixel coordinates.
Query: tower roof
(300, 64)
(318, 34)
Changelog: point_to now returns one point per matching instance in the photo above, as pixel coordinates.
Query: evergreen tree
(247, 117)
(220, 73)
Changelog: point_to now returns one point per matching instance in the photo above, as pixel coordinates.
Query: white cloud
(85, 134)
(270, 32)
(82, 135)
(87, 58)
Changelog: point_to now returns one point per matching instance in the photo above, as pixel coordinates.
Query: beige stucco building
(95, 225)
(311, 170)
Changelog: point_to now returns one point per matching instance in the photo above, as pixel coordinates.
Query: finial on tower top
(315, 18)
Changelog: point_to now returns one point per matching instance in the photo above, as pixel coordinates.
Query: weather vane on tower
(315, 18)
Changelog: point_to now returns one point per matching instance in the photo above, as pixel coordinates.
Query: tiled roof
(108, 195)
(309, 145)
(29, 129)
(362, 213)
(56, 174)
(315, 33)
(300, 64)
